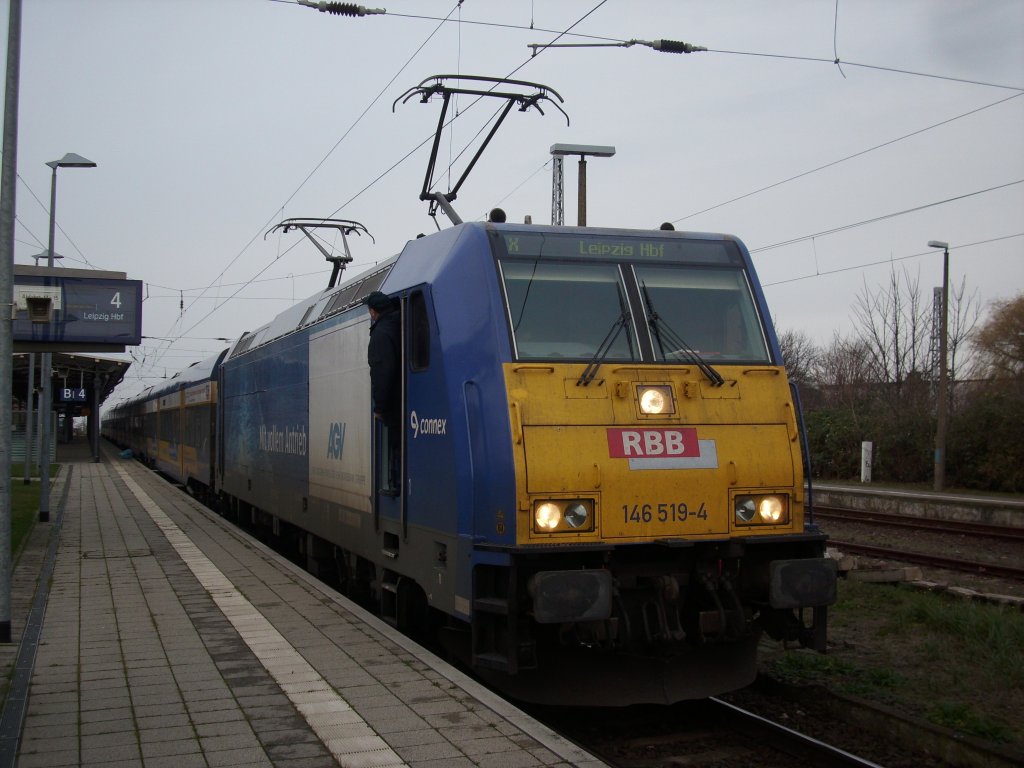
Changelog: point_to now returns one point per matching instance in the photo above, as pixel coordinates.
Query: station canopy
(72, 370)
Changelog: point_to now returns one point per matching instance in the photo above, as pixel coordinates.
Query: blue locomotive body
(576, 541)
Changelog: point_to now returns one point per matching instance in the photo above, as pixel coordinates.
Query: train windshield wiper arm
(602, 351)
(660, 328)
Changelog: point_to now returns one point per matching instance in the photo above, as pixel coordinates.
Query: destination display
(619, 247)
(87, 311)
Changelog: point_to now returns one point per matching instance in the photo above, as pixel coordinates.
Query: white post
(865, 462)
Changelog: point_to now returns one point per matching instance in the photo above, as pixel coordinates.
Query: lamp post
(70, 160)
(558, 151)
(45, 255)
(942, 414)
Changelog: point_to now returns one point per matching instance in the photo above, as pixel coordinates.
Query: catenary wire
(844, 159)
(817, 59)
(178, 320)
(595, 37)
(888, 261)
(876, 219)
(354, 197)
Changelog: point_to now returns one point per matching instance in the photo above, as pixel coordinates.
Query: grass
(24, 511)
(953, 662)
(18, 471)
(24, 504)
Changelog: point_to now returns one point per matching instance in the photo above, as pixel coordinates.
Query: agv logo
(336, 441)
(662, 448)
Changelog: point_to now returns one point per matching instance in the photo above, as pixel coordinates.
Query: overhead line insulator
(341, 9)
(675, 46)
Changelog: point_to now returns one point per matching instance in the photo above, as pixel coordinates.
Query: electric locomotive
(600, 478)
(597, 493)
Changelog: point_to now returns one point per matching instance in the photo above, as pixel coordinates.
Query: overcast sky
(211, 120)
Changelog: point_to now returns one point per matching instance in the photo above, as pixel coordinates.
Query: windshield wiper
(659, 328)
(602, 351)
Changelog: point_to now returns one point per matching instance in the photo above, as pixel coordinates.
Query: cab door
(389, 461)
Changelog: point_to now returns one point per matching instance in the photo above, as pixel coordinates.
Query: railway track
(1001, 532)
(933, 561)
(708, 732)
(858, 532)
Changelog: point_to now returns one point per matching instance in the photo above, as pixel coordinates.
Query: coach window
(419, 325)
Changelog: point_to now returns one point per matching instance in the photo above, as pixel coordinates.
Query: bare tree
(800, 356)
(893, 328)
(964, 313)
(843, 370)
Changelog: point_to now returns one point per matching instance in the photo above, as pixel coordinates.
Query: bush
(984, 449)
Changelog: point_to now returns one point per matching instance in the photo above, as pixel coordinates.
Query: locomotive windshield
(567, 310)
(711, 310)
(628, 298)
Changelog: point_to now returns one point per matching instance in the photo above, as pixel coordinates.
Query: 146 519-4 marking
(662, 513)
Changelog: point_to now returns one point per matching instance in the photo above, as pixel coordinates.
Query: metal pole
(581, 206)
(94, 417)
(8, 178)
(942, 417)
(557, 210)
(45, 405)
(28, 416)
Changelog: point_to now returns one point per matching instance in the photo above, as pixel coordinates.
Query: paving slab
(172, 638)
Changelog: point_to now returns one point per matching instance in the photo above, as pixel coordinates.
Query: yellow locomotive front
(660, 520)
(653, 453)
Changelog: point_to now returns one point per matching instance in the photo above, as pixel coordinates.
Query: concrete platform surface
(172, 639)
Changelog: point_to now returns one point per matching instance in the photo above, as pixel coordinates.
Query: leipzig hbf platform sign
(64, 310)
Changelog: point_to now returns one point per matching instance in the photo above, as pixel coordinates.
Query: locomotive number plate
(676, 512)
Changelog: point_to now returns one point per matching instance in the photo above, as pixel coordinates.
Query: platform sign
(87, 311)
(71, 394)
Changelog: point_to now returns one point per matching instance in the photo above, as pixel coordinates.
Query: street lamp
(942, 415)
(45, 255)
(70, 160)
(558, 151)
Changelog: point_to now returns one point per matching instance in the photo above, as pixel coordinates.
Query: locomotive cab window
(420, 336)
(709, 312)
(571, 311)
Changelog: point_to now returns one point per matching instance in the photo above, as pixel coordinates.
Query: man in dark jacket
(384, 356)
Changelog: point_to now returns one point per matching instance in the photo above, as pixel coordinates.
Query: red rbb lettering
(652, 443)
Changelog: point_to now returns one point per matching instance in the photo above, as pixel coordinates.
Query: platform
(171, 638)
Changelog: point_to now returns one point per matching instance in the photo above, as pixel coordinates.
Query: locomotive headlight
(767, 509)
(547, 516)
(576, 515)
(563, 515)
(771, 509)
(656, 400)
(745, 509)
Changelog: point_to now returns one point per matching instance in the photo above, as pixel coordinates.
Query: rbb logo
(336, 441)
(652, 443)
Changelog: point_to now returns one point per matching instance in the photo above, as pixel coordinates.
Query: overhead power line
(862, 152)
(355, 196)
(890, 260)
(882, 218)
(895, 70)
(345, 135)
